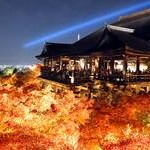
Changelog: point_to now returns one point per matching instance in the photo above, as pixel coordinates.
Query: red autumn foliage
(34, 117)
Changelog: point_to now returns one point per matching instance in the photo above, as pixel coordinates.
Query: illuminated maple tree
(33, 116)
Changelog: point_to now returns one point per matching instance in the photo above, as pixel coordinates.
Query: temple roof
(105, 39)
(53, 49)
(138, 21)
(109, 39)
(134, 16)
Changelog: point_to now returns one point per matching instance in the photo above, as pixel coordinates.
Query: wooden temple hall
(118, 53)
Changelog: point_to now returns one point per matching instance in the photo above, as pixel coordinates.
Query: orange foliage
(34, 117)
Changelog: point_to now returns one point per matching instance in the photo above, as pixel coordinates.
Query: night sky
(23, 21)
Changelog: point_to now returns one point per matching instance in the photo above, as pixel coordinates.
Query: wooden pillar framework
(60, 63)
(124, 66)
(112, 65)
(137, 65)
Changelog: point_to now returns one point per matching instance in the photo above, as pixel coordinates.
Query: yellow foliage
(5, 129)
(82, 117)
(97, 147)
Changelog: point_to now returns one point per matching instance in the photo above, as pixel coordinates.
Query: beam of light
(100, 19)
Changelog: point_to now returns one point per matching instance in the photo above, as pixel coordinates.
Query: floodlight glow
(88, 23)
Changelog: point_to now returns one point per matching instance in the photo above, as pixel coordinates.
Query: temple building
(118, 53)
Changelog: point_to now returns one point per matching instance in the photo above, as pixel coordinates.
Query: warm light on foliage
(34, 117)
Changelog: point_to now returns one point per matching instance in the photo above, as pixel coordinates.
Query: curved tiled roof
(106, 39)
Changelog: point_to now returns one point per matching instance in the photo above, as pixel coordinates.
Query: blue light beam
(88, 23)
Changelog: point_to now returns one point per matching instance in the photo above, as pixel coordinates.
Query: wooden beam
(123, 29)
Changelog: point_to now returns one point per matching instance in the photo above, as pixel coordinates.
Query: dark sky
(23, 21)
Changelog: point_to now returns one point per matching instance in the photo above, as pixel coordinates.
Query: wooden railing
(137, 78)
(82, 77)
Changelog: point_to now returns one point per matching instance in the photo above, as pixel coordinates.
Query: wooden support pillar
(91, 68)
(105, 63)
(99, 63)
(47, 62)
(124, 66)
(85, 64)
(60, 63)
(90, 62)
(100, 67)
(112, 65)
(44, 62)
(137, 65)
(102, 63)
(50, 62)
(149, 64)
